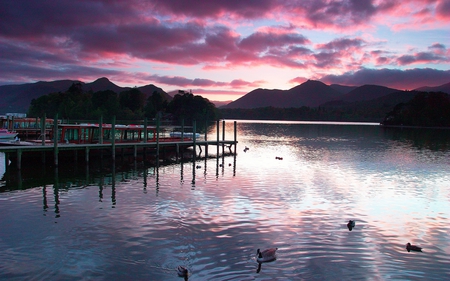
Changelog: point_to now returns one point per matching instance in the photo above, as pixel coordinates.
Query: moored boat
(7, 135)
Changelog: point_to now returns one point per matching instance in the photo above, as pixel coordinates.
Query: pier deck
(16, 153)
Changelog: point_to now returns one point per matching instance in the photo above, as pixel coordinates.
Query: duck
(267, 255)
(415, 248)
(350, 225)
(183, 272)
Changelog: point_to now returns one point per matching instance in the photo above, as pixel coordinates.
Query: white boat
(6, 135)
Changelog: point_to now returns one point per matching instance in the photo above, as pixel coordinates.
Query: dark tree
(425, 109)
(185, 106)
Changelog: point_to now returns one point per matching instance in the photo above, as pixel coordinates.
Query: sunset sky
(225, 49)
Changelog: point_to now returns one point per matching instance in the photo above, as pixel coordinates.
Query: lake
(295, 188)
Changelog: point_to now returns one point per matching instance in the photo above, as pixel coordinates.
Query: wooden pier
(18, 154)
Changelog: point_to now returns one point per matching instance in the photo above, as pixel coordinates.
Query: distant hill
(17, 98)
(367, 92)
(311, 93)
(443, 88)
(315, 93)
(343, 89)
(219, 103)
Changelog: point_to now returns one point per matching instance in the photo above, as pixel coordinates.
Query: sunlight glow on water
(147, 221)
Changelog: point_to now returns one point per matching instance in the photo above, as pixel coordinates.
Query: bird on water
(350, 225)
(183, 272)
(267, 255)
(414, 248)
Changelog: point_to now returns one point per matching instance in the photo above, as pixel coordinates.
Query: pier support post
(218, 134)
(43, 129)
(223, 136)
(194, 131)
(19, 159)
(235, 137)
(182, 129)
(100, 127)
(113, 138)
(206, 138)
(157, 134)
(145, 130)
(55, 139)
(87, 154)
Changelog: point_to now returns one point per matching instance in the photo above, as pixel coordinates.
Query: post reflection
(44, 199)
(113, 185)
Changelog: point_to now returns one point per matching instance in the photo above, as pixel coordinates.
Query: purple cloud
(395, 78)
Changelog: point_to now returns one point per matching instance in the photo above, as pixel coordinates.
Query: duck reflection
(183, 272)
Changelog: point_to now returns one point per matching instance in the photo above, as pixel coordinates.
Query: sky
(224, 49)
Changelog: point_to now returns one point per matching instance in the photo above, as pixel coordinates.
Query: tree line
(423, 109)
(131, 104)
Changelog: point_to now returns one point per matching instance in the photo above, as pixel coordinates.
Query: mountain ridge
(17, 98)
(312, 93)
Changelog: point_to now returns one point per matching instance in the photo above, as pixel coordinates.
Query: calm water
(137, 222)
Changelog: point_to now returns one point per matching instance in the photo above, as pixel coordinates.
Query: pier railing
(16, 153)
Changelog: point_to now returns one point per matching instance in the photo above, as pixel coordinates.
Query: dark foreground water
(295, 189)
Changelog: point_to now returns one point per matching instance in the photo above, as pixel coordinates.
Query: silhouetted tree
(425, 109)
(189, 107)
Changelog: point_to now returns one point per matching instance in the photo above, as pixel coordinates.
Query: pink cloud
(342, 44)
(185, 82)
(443, 10)
(75, 39)
(298, 80)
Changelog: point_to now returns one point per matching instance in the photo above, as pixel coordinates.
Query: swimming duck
(267, 255)
(183, 272)
(415, 248)
(350, 225)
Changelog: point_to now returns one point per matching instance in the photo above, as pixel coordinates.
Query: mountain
(310, 93)
(102, 84)
(17, 98)
(219, 103)
(443, 88)
(343, 89)
(367, 92)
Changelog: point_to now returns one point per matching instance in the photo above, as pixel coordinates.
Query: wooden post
(100, 127)
(206, 138)
(235, 136)
(194, 130)
(145, 130)
(182, 129)
(223, 136)
(43, 129)
(113, 138)
(157, 135)
(87, 154)
(55, 139)
(19, 159)
(218, 134)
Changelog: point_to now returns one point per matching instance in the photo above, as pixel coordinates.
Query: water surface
(295, 189)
